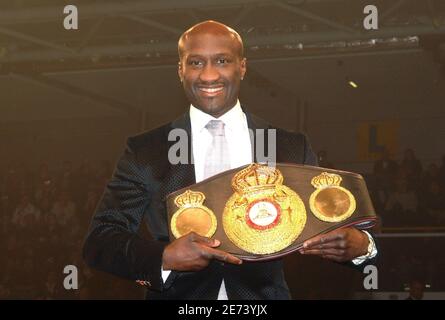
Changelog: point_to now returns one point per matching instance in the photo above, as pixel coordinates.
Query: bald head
(211, 66)
(210, 27)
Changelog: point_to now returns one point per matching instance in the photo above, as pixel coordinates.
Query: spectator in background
(441, 173)
(24, 208)
(385, 171)
(433, 202)
(65, 180)
(25, 178)
(12, 188)
(430, 175)
(402, 204)
(44, 187)
(45, 194)
(53, 289)
(4, 213)
(4, 291)
(43, 175)
(411, 169)
(45, 204)
(64, 210)
(416, 290)
(431, 195)
(30, 227)
(83, 177)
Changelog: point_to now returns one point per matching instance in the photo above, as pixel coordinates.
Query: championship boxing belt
(260, 212)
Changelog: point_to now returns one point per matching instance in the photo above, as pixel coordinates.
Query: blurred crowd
(407, 195)
(404, 193)
(411, 256)
(45, 214)
(44, 218)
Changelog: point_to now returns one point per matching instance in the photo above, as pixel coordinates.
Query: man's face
(416, 290)
(211, 70)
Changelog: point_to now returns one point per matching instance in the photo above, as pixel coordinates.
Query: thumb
(216, 243)
(204, 240)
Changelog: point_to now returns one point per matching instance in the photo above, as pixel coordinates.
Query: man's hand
(340, 245)
(193, 252)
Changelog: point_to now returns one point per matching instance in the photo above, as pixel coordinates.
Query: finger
(204, 240)
(323, 252)
(335, 244)
(324, 238)
(222, 256)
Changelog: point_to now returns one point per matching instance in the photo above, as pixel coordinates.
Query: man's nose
(209, 73)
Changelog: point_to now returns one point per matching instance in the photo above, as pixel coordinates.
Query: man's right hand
(193, 252)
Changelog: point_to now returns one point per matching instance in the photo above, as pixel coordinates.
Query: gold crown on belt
(326, 180)
(190, 199)
(256, 176)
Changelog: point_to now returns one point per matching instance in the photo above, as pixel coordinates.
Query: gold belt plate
(192, 215)
(263, 216)
(330, 202)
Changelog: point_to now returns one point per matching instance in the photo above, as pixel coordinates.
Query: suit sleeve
(311, 159)
(113, 244)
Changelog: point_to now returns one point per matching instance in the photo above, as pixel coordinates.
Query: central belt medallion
(263, 216)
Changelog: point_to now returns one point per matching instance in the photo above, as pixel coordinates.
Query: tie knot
(215, 127)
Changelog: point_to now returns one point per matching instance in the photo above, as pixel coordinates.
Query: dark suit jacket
(141, 180)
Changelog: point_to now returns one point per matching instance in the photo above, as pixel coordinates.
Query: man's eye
(195, 63)
(222, 61)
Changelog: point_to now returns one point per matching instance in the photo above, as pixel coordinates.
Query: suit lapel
(180, 175)
(183, 173)
(255, 125)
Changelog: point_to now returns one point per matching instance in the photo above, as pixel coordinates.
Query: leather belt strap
(261, 213)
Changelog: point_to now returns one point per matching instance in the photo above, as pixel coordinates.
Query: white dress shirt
(240, 150)
(237, 135)
(238, 141)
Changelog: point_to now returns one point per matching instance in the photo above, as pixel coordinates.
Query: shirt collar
(234, 118)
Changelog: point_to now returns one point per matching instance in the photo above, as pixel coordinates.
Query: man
(211, 68)
(416, 289)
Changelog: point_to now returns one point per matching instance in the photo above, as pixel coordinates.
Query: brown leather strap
(300, 179)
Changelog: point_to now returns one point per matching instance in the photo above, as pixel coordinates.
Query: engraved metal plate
(192, 215)
(331, 202)
(263, 216)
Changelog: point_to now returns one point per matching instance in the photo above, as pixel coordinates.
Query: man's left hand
(340, 245)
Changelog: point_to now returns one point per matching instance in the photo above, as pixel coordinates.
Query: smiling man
(211, 67)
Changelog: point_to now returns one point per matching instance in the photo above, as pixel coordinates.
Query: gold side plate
(192, 216)
(331, 202)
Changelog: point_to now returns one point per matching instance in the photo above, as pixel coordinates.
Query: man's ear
(243, 67)
(180, 71)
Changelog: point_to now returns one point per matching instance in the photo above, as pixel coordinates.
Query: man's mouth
(211, 91)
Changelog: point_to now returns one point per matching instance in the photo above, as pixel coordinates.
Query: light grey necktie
(217, 156)
(217, 160)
